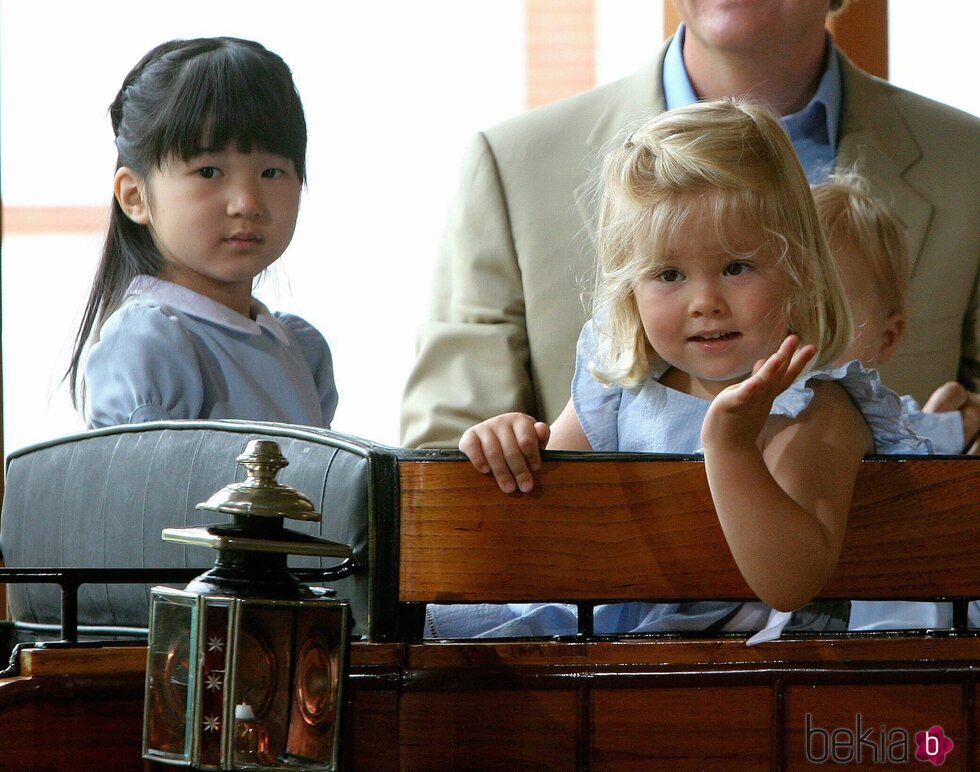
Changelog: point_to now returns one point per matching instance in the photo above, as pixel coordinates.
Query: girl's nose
(706, 300)
(246, 201)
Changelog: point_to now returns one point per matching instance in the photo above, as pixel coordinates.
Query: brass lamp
(245, 665)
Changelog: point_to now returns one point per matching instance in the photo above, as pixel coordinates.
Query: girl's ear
(891, 336)
(130, 191)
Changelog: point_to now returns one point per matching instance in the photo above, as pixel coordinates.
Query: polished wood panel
(71, 722)
(639, 655)
(923, 514)
(681, 728)
(600, 705)
(118, 660)
(586, 530)
(647, 529)
(825, 723)
(493, 729)
(374, 731)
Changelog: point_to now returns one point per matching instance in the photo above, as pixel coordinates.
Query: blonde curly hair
(711, 164)
(855, 220)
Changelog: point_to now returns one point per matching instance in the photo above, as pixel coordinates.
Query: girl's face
(222, 217)
(709, 313)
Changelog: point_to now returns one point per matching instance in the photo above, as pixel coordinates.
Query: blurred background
(393, 90)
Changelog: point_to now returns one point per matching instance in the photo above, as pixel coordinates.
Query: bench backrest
(645, 528)
(101, 499)
(426, 527)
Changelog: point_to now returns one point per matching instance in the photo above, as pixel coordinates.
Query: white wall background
(392, 92)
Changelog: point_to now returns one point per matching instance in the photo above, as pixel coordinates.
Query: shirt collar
(824, 107)
(678, 91)
(201, 307)
(822, 113)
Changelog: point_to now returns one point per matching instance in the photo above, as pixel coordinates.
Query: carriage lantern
(245, 665)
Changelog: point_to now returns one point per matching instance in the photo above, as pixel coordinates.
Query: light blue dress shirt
(813, 129)
(170, 353)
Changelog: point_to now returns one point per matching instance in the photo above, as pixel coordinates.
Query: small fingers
(801, 357)
(514, 459)
(470, 444)
(771, 370)
(508, 447)
(543, 432)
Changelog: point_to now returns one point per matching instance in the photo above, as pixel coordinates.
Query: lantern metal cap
(298, 544)
(260, 493)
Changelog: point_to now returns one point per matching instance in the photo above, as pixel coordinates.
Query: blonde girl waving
(717, 317)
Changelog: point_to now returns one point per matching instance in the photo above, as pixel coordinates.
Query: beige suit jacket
(508, 303)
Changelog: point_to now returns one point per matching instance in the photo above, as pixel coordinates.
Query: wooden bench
(603, 528)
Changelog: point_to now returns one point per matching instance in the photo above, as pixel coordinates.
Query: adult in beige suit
(507, 302)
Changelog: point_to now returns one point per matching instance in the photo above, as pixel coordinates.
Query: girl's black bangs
(231, 96)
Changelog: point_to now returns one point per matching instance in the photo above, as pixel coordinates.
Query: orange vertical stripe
(861, 31)
(560, 48)
(671, 19)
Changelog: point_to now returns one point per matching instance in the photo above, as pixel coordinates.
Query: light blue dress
(944, 430)
(653, 418)
(169, 352)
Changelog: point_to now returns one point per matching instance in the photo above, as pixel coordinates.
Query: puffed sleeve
(596, 404)
(144, 367)
(317, 354)
(472, 356)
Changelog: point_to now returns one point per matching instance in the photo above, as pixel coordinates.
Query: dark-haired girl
(211, 141)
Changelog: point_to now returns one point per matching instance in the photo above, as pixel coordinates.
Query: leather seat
(101, 499)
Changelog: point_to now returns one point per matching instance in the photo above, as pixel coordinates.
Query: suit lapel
(873, 138)
(876, 142)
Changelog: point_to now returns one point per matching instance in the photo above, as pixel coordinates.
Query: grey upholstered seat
(102, 498)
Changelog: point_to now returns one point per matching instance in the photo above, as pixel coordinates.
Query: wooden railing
(599, 528)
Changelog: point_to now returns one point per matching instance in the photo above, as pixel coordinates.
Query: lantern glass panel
(171, 670)
(288, 665)
(318, 656)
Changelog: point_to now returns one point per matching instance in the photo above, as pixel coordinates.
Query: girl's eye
(669, 275)
(208, 172)
(737, 269)
(273, 174)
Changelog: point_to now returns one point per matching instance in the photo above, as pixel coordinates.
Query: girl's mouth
(711, 337)
(244, 240)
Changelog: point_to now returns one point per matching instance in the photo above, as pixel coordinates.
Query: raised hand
(738, 414)
(509, 447)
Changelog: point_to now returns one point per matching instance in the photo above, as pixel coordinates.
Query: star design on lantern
(212, 681)
(216, 643)
(212, 723)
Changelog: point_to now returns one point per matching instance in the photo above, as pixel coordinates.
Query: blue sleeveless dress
(653, 418)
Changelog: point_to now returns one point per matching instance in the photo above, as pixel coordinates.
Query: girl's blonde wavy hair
(710, 164)
(854, 219)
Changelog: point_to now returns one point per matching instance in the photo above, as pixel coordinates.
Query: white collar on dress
(201, 307)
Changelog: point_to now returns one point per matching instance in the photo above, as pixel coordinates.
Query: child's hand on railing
(954, 396)
(509, 447)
